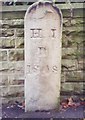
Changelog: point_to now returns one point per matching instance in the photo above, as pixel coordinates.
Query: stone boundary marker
(43, 32)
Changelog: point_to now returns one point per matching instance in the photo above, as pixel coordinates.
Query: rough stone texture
(7, 32)
(12, 25)
(16, 55)
(8, 42)
(19, 33)
(19, 41)
(3, 55)
(70, 87)
(42, 56)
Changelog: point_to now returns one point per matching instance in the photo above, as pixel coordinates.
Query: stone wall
(12, 54)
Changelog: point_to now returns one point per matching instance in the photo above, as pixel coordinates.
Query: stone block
(19, 33)
(16, 78)
(16, 55)
(63, 77)
(67, 41)
(3, 90)
(81, 64)
(18, 23)
(74, 75)
(18, 88)
(80, 54)
(8, 42)
(4, 67)
(19, 67)
(13, 15)
(14, 23)
(19, 42)
(3, 56)
(0, 43)
(3, 80)
(43, 31)
(11, 67)
(69, 64)
(16, 67)
(72, 87)
(11, 89)
(12, 99)
(7, 33)
(69, 53)
(68, 22)
(16, 82)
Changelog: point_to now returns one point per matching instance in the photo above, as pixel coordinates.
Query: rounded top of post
(41, 3)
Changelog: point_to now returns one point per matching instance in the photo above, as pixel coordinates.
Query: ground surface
(76, 109)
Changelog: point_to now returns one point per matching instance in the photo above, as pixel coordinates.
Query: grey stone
(43, 29)
(3, 55)
(16, 55)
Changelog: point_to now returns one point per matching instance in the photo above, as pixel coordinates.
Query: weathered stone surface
(81, 64)
(70, 65)
(69, 53)
(77, 87)
(12, 99)
(11, 67)
(19, 42)
(73, 22)
(13, 15)
(19, 33)
(43, 28)
(3, 67)
(3, 55)
(16, 82)
(16, 23)
(16, 55)
(19, 67)
(3, 80)
(11, 89)
(74, 76)
(73, 36)
(16, 77)
(7, 32)
(3, 90)
(80, 53)
(8, 42)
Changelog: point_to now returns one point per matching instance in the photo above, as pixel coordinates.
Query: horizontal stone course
(11, 89)
(6, 32)
(69, 64)
(15, 23)
(69, 53)
(77, 87)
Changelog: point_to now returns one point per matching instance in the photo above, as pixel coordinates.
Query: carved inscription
(42, 50)
(36, 33)
(53, 33)
(43, 22)
(36, 68)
